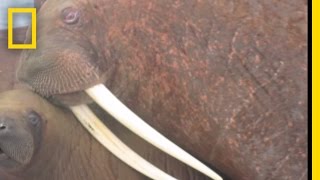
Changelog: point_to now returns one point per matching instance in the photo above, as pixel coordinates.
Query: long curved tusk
(124, 115)
(99, 131)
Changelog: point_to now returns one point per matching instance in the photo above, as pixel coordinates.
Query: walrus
(41, 141)
(223, 80)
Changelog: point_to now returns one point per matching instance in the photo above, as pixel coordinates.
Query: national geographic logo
(33, 26)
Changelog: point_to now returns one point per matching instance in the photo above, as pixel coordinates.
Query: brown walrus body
(225, 80)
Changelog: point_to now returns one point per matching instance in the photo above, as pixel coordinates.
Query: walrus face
(20, 134)
(22, 126)
(65, 39)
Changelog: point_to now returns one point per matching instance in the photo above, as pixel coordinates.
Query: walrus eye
(33, 118)
(70, 15)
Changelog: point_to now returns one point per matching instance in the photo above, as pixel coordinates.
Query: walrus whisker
(101, 95)
(101, 133)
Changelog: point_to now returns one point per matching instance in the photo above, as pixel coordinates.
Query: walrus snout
(17, 139)
(47, 63)
(3, 126)
(6, 124)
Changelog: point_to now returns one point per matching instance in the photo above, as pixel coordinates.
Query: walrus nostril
(2, 126)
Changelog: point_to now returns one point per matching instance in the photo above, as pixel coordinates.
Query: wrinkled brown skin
(68, 152)
(225, 80)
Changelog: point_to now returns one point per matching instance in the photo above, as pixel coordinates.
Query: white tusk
(101, 133)
(124, 115)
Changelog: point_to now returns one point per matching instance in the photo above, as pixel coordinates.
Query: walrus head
(20, 133)
(80, 45)
(65, 39)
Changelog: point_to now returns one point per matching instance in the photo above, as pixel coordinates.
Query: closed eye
(33, 118)
(70, 15)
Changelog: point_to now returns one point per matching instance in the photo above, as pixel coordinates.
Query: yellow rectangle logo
(33, 44)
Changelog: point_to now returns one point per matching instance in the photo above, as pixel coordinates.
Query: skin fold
(66, 151)
(226, 81)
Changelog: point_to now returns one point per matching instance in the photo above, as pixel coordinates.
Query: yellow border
(315, 91)
(33, 44)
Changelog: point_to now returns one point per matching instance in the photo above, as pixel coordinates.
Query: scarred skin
(227, 81)
(67, 151)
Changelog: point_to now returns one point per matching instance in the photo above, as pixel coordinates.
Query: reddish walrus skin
(225, 80)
